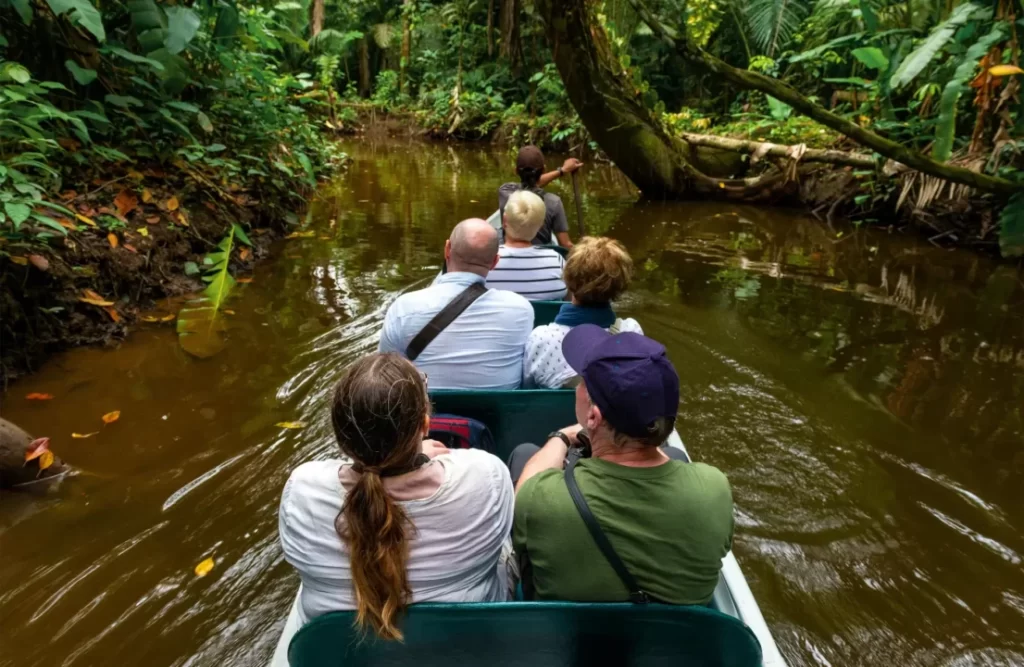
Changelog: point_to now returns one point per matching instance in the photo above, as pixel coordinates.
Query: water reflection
(862, 391)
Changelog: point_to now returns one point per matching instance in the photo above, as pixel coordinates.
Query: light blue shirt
(482, 349)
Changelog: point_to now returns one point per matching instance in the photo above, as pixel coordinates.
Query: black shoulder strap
(636, 594)
(441, 321)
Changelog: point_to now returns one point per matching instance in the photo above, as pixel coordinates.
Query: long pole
(579, 207)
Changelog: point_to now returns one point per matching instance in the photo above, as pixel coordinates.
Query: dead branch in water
(762, 149)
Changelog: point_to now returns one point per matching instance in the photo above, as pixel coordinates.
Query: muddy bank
(137, 237)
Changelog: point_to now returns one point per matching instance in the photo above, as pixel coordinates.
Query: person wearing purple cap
(669, 521)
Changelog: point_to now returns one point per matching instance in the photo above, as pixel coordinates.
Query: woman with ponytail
(401, 519)
(530, 169)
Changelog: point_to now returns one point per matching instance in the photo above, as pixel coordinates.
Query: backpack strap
(441, 321)
(636, 594)
(616, 327)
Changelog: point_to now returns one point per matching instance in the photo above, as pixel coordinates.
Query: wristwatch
(561, 436)
(561, 172)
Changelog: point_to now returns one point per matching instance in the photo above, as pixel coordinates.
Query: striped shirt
(535, 273)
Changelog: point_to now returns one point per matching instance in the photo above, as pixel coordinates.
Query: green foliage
(919, 58)
(201, 325)
(1011, 227)
(386, 93)
(772, 23)
(945, 131)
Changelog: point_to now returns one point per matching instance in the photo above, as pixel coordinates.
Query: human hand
(572, 432)
(571, 165)
(433, 448)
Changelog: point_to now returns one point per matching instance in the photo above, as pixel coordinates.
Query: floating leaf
(112, 239)
(147, 196)
(126, 202)
(79, 436)
(204, 568)
(19, 260)
(171, 204)
(291, 424)
(46, 460)
(301, 235)
(36, 396)
(1005, 70)
(36, 448)
(111, 417)
(201, 329)
(39, 262)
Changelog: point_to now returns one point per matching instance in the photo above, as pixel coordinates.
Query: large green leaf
(227, 24)
(24, 9)
(182, 25)
(134, 57)
(945, 131)
(81, 13)
(18, 213)
(773, 22)
(920, 57)
(872, 57)
(82, 75)
(1011, 227)
(202, 330)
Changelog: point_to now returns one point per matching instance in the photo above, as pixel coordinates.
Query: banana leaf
(945, 131)
(920, 57)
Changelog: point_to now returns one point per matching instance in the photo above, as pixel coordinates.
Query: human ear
(448, 250)
(426, 425)
(594, 418)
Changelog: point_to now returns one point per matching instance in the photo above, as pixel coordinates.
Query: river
(862, 390)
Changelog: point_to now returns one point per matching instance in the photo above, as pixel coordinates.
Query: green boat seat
(534, 634)
(514, 416)
(544, 311)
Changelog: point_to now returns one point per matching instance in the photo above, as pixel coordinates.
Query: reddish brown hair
(378, 412)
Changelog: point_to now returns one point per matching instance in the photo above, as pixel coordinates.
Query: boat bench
(534, 634)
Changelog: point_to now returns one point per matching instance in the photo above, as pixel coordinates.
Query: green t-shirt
(671, 525)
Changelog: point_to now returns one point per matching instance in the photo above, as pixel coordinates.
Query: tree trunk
(762, 149)
(511, 46)
(490, 28)
(316, 17)
(364, 67)
(406, 45)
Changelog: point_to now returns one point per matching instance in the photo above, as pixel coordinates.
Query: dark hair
(529, 177)
(378, 411)
(529, 165)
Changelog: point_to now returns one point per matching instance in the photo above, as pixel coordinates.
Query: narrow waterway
(862, 391)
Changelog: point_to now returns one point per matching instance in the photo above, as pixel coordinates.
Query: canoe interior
(545, 634)
(514, 416)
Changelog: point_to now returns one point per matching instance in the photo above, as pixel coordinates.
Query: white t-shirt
(459, 534)
(544, 366)
(535, 273)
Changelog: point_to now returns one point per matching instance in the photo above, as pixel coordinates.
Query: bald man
(483, 347)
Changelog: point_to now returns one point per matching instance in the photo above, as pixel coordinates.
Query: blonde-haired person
(598, 270)
(404, 520)
(523, 268)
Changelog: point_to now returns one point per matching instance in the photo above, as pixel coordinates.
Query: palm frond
(773, 22)
(383, 33)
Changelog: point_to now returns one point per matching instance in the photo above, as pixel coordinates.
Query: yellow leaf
(1005, 70)
(204, 567)
(45, 460)
(143, 231)
(227, 311)
(300, 235)
(291, 424)
(84, 435)
(147, 196)
(86, 220)
(244, 281)
(36, 396)
(167, 318)
(113, 313)
(172, 204)
(95, 302)
(182, 219)
(112, 239)
(20, 261)
(135, 175)
(111, 417)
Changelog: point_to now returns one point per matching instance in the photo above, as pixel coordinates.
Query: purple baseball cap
(628, 376)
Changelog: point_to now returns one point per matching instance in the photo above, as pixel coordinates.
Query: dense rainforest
(151, 149)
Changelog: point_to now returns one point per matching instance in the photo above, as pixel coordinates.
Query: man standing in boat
(633, 521)
(530, 168)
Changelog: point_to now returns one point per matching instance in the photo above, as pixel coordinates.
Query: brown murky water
(863, 394)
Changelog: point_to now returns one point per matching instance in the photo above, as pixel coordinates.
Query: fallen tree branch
(781, 91)
(763, 149)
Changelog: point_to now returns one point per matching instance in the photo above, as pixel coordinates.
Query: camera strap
(636, 594)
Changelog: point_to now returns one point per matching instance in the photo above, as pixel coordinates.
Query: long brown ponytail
(378, 414)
